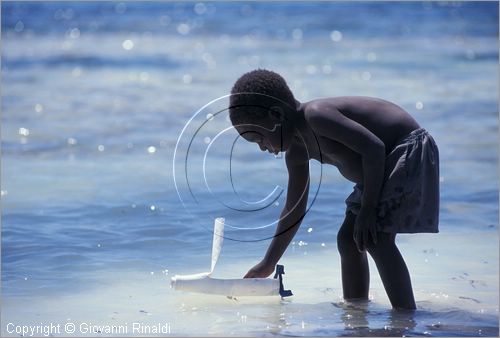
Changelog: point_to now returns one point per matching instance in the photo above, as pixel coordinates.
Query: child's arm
(329, 122)
(291, 216)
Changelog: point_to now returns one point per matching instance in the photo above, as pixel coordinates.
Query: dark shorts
(409, 200)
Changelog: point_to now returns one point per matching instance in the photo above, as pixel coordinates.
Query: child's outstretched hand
(261, 270)
(364, 226)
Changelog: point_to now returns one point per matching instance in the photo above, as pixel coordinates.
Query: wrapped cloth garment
(409, 198)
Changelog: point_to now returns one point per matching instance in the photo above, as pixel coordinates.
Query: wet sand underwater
(458, 301)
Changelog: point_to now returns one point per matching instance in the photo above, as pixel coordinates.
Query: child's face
(258, 136)
(270, 135)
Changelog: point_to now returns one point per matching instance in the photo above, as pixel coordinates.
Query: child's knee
(345, 240)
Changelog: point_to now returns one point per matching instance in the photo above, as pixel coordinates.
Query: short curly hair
(255, 93)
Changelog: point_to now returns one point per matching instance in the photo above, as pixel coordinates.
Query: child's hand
(261, 270)
(365, 225)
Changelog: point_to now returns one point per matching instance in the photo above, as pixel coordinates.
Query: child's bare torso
(384, 119)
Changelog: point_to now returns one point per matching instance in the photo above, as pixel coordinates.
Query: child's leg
(354, 264)
(393, 271)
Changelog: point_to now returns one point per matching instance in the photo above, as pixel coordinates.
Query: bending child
(374, 143)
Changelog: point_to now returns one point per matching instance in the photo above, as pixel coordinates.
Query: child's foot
(360, 304)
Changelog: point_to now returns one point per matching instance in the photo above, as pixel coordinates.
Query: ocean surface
(117, 155)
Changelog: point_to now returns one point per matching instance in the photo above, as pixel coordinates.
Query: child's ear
(277, 113)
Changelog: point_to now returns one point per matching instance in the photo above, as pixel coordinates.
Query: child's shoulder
(318, 109)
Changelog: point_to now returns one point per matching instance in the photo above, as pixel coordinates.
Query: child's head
(263, 109)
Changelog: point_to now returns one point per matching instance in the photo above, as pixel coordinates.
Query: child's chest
(347, 161)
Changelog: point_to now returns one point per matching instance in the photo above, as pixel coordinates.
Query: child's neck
(303, 133)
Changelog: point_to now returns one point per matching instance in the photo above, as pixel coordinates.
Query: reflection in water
(356, 314)
(270, 316)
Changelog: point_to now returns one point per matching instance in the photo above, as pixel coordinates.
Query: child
(374, 143)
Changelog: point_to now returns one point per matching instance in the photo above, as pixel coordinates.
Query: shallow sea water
(97, 213)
